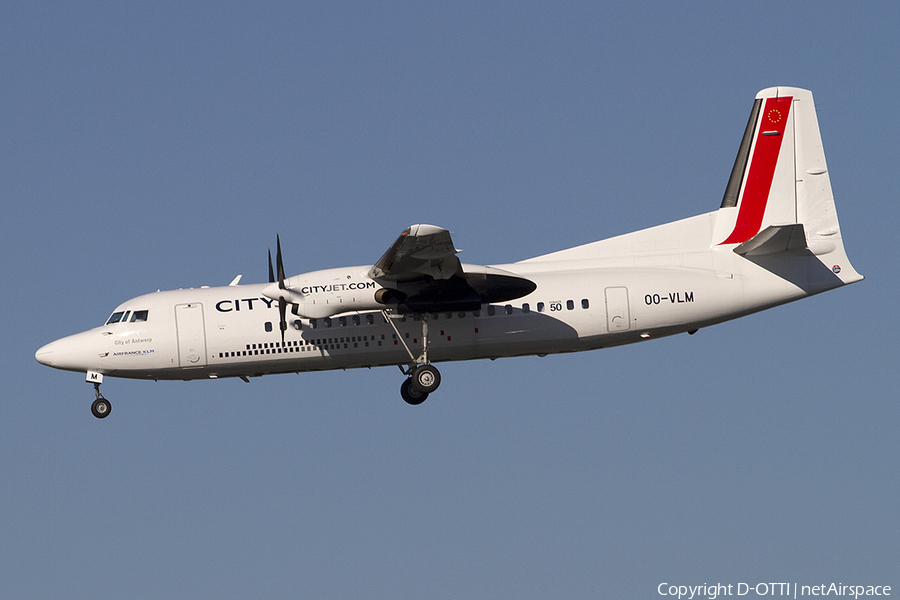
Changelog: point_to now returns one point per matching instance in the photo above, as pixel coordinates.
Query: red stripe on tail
(762, 169)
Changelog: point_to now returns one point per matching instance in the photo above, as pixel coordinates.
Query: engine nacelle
(389, 296)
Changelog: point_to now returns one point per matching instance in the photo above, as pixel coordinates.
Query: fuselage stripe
(770, 133)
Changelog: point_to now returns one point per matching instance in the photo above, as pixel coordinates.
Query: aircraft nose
(44, 355)
(73, 353)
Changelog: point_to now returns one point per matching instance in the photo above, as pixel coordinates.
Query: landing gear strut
(423, 377)
(101, 406)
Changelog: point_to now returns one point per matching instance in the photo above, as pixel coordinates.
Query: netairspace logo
(793, 590)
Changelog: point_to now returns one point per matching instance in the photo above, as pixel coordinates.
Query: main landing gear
(101, 406)
(423, 378)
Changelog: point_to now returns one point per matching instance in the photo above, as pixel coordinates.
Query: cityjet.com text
(791, 590)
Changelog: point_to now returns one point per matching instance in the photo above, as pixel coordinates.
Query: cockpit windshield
(122, 316)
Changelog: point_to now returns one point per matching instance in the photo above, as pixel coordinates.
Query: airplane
(774, 239)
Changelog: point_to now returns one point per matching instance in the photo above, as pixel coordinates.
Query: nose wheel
(101, 406)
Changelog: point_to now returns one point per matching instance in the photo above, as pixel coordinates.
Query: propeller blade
(282, 309)
(279, 263)
(277, 275)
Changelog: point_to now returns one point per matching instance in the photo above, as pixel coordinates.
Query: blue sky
(160, 146)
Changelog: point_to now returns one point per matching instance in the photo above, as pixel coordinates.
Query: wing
(420, 272)
(420, 251)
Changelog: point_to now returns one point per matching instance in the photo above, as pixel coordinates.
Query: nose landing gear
(101, 407)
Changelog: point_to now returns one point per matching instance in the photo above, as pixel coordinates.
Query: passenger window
(540, 306)
(139, 316)
(570, 304)
(268, 326)
(370, 319)
(526, 308)
(491, 310)
(115, 318)
(585, 303)
(508, 308)
(356, 319)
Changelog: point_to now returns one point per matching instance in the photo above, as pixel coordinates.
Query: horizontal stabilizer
(774, 239)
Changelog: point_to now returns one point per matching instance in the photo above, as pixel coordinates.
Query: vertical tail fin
(779, 195)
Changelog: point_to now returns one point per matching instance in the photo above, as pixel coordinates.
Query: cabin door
(618, 317)
(191, 335)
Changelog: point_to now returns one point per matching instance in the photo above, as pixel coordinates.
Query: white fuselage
(581, 302)
(775, 238)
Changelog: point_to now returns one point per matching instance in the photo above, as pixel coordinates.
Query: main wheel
(101, 408)
(426, 378)
(410, 394)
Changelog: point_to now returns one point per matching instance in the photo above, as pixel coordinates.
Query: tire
(101, 408)
(426, 378)
(411, 395)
